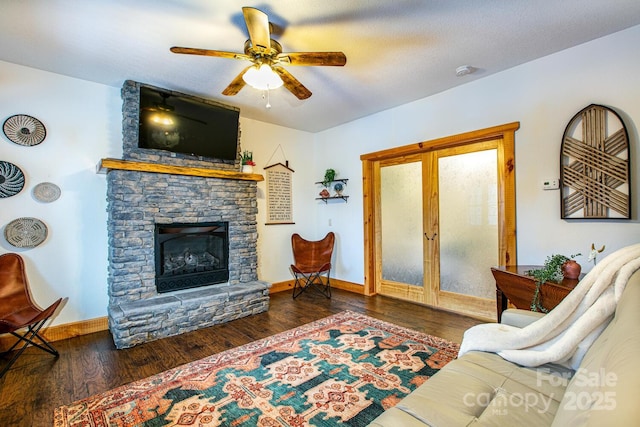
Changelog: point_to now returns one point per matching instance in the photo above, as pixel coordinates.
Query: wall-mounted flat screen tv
(180, 123)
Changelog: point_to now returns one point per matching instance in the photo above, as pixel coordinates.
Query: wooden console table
(513, 284)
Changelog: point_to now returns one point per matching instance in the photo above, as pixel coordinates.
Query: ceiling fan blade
(207, 52)
(258, 27)
(237, 84)
(292, 84)
(313, 58)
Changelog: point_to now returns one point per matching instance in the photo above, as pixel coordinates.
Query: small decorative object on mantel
(11, 179)
(595, 166)
(46, 192)
(24, 130)
(25, 232)
(247, 161)
(555, 268)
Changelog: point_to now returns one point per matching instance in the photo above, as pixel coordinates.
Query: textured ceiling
(397, 51)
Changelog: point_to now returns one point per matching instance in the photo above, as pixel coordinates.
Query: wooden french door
(438, 215)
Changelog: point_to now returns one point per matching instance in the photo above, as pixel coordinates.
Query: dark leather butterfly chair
(19, 315)
(312, 264)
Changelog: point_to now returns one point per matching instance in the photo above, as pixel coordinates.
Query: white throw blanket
(565, 334)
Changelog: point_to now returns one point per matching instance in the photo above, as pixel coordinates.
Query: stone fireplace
(145, 206)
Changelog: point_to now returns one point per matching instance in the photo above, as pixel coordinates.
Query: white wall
(543, 96)
(83, 121)
(270, 145)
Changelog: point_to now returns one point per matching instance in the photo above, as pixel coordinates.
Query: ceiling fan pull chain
(268, 98)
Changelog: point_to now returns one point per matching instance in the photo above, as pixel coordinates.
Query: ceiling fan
(268, 58)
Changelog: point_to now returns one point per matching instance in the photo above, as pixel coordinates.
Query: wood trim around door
(506, 194)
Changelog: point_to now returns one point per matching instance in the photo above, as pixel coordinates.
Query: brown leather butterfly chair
(312, 264)
(18, 312)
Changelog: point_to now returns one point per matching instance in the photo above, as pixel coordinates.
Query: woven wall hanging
(46, 192)
(594, 166)
(25, 232)
(24, 130)
(11, 179)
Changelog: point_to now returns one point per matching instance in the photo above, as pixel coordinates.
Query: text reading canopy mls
(186, 124)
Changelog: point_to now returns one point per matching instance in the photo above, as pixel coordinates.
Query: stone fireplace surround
(136, 201)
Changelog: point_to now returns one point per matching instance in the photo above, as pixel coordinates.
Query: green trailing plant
(551, 271)
(329, 175)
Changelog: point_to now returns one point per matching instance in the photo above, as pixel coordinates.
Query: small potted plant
(247, 161)
(329, 176)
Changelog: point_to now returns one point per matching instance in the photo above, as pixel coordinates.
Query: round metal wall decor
(11, 179)
(46, 192)
(25, 232)
(24, 130)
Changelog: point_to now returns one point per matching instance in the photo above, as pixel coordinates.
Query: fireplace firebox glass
(191, 255)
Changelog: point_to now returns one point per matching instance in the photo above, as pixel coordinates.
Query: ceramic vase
(247, 169)
(571, 270)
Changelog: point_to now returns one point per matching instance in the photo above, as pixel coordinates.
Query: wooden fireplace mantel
(109, 164)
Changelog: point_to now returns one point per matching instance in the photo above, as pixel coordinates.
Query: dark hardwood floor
(38, 383)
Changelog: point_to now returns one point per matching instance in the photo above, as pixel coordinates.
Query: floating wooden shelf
(324, 199)
(115, 164)
(344, 181)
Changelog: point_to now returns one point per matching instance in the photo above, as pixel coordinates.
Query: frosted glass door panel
(468, 197)
(401, 214)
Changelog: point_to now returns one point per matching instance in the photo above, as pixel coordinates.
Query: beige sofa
(482, 389)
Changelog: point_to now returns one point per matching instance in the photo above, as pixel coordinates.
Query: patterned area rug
(345, 369)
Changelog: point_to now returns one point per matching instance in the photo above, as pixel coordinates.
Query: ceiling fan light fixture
(262, 77)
